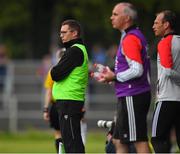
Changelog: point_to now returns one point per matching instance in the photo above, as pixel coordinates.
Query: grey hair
(130, 10)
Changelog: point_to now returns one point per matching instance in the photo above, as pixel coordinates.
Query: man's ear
(166, 25)
(74, 33)
(128, 18)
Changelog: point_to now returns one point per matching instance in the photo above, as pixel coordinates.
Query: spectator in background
(45, 66)
(3, 64)
(50, 113)
(98, 54)
(167, 112)
(111, 54)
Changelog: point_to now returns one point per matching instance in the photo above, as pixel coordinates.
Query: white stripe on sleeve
(135, 70)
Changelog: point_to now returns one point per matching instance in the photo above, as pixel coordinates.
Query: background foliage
(30, 27)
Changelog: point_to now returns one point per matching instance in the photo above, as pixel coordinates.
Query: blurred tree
(30, 27)
(25, 26)
(14, 24)
(42, 15)
(94, 16)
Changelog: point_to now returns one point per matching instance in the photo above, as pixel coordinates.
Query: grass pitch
(35, 141)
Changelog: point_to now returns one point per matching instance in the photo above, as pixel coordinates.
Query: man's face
(118, 17)
(66, 33)
(159, 26)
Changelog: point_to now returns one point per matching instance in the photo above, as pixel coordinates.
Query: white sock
(83, 131)
(60, 148)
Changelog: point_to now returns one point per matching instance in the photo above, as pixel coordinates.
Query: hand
(46, 116)
(98, 76)
(109, 75)
(109, 136)
(105, 77)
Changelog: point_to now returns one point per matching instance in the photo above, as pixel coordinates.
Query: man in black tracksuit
(71, 79)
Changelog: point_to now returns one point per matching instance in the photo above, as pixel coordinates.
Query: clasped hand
(107, 76)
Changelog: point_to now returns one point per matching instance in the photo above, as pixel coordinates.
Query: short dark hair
(74, 25)
(170, 17)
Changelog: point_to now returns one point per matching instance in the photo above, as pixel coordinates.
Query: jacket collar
(72, 42)
(170, 33)
(130, 28)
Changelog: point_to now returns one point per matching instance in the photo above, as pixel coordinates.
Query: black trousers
(165, 118)
(70, 114)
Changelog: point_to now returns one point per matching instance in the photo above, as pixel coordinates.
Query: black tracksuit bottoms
(70, 114)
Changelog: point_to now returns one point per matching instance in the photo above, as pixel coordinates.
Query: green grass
(96, 142)
(34, 141)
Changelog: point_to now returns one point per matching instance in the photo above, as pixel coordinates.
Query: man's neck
(169, 31)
